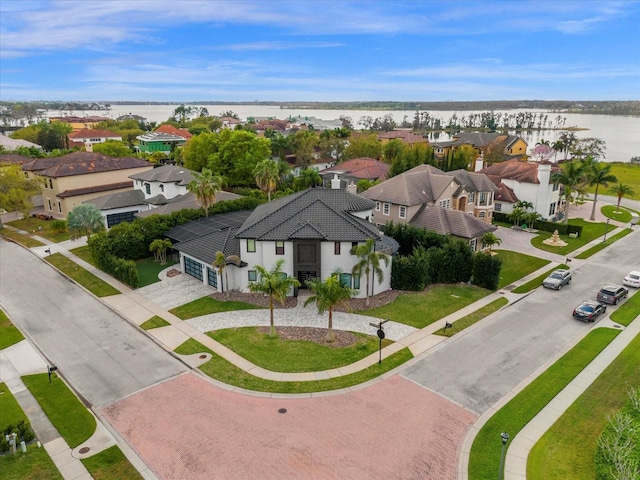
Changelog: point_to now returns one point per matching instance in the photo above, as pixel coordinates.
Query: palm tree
(220, 262)
(274, 283)
(327, 295)
(85, 219)
(205, 186)
(159, 248)
(571, 174)
(620, 190)
(489, 239)
(599, 173)
(369, 263)
(267, 174)
(309, 178)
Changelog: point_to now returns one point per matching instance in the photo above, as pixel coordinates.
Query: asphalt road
(98, 352)
(480, 366)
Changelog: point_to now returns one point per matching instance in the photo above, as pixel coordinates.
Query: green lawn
(87, 279)
(148, 270)
(111, 464)
(228, 373)
(154, 322)
(486, 449)
(622, 215)
(627, 173)
(207, 305)
(41, 228)
(629, 310)
(567, 449)
(278, 355)
(517, 265)
(20, 238)
(602, 245)
(85, 254)
(424, 308)
(472, 318)
(9, 334)
(590, 231)
(537, 282)
(33, 465)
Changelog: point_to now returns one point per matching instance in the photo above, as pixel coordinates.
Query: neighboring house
(405, 197)
(313, 231)
(88, 137)
(526, 181)
(131, 116)
(514, 146)
(10, 144)
(354, 170)
(79, 176)
(80, 123)
(407, 137)
(159, 142)
(230, 122)
(171, 130)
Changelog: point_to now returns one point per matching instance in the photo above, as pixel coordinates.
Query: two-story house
(416, 194)
(513, 145)
(352, 171)
(88, 137)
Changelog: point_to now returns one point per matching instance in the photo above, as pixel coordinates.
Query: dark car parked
(612, 294)
(589, 310)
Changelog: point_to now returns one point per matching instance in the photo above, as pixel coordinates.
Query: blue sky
(199, 50)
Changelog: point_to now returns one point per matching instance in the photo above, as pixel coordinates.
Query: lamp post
(380, 334)
(606, 230)
(505, 438)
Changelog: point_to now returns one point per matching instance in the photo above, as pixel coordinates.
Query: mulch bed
(315, 335)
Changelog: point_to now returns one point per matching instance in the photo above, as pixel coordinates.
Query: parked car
(632, 279)
(557, 279)
(612, 294)
(589, 310)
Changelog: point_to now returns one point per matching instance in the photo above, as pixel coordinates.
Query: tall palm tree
(327, 294)
(620, 190)
(599, 173)
(205, 186)
(274, 283)
(571, 174)
(267, 174)
(220, 262)
(369, 263)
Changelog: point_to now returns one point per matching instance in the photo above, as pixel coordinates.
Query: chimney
(479, 164)
(335, 182)
(352, 188)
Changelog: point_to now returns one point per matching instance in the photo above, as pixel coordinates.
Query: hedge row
(544, 225)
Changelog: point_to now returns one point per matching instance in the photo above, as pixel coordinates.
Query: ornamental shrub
(486, 270)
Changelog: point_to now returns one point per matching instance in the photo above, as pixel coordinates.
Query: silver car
(557, 279)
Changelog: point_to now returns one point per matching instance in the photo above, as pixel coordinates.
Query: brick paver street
(187, 428)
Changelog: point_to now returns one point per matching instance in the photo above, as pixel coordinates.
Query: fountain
(554, 240)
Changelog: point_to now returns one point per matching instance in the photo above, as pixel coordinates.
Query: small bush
(4, 445)
(59, 226)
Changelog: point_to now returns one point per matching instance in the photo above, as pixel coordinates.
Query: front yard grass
(601, 246)
(627, 311)
(148, 270)
(9, 334)
(278, 355)
(87, 279)
(85, 254)
(422, 309)
(567, 449)
(590, 231)
(111, 464)
(219, 369)
(486, 449)
(516, 265)
(154, 322)
(612, 212)
(35, 464)
(537, 282)
(472, 318)
(207, 305)
(22, 239)
(32, 225)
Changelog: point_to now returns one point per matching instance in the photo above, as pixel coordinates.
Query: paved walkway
(140, 305)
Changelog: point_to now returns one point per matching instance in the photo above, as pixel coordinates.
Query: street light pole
(505, 438)
(606, 230)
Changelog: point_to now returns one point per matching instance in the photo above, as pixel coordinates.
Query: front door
(306, 260)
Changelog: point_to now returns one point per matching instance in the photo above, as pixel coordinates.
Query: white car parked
(632, 279)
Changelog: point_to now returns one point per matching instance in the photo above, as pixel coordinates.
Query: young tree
(85, 219)
(364, 146)
(620, 190)
(570, 175)
(198, 149)
(369, 263)
(205, 186)
(16, 190)
(490, 239)
(274, 283)
(598, 173)
(267, 174)
(303, 145)
(159, 248)
(328, 294)
(113, 148)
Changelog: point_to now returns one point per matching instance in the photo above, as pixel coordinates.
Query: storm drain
(84, 450)
(282, 410)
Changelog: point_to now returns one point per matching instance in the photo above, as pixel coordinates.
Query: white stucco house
(313, 231)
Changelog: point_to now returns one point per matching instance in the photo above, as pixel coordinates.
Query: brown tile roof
(520, 171)
(81, 163)
(505, 194)
(479, 139)
(447, 221)
(180, 132)
(93, 133)
(14, 158)
(404, 135)
(95, 189)
(363, 168)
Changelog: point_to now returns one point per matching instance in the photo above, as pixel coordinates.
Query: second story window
(336, 248)
(403, 211)
(386, 207)
(445, 203)
(147, 188)
(251, 245)
(472, 197)
(498, 207)
(483, 198)
(279, 248)
(378, 206)
(51, 183)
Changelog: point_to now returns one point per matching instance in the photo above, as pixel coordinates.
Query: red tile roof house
(457, 203)
(408, 138)
(170, 129)
(88, 137)
(349, 173)
(528, 181)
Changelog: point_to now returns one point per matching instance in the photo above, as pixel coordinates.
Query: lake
(621, 133)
